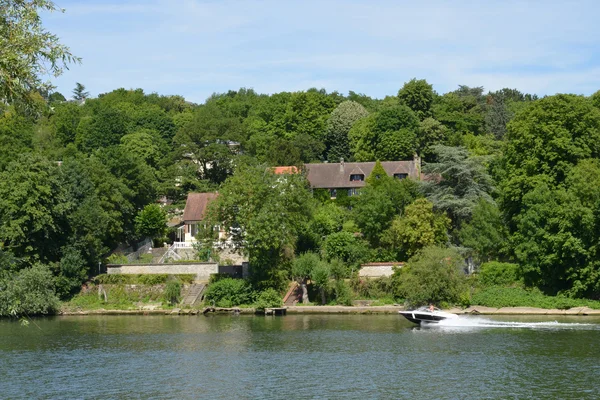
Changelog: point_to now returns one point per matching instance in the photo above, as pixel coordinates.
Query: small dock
(276, 311)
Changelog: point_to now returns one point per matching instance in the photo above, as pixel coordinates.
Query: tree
(320, 275)
(79, 92)
(486, 233)
(387, 135)
(339, 124)
(265, 213)
(433, 275)
(152, 222)
(29, 52)
(302, 268)
(459, 181)
(417, 228)
(29, 291)
(544, 141)
(431, 132)
(32, 209)
(418, 96)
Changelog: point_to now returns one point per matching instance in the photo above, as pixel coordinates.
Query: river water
(299, 357)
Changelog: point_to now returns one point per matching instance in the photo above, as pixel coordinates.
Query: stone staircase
(194, 294)
(291, 297)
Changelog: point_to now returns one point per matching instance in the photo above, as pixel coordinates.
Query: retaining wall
(202, 270)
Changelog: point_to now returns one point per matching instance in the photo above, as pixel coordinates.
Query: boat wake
(480, 322)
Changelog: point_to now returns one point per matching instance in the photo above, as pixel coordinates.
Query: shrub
(268, 298)
(152, 279)
(497, 296)
(228, 292)
(366, 288)
(28, 292)
(433, 275)
(172, 291)
(497, 273)
(343, 294)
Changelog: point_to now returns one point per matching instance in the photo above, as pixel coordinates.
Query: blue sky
(194, 48)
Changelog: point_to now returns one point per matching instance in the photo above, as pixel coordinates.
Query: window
(357, 177)
(353, 191)
(400, 176)
(332, 193)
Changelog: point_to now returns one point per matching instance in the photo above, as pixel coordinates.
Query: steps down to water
(194, 294)
(293, 295)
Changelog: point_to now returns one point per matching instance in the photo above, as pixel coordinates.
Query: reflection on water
(299, 356)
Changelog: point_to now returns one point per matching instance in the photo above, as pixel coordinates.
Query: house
(351, 176)
(194, 213)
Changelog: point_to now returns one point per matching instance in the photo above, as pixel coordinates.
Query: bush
(152, 279)
(433, 275)
(497, 273)
(497, 296)
(28, 292)
(268, 298)
(141, 279)
(342, 292)
(377, 288)
(228, 292)
(172, 291)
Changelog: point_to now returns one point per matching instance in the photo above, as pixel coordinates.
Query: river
(299, 357)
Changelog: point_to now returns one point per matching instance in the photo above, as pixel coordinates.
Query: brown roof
(383, 264)
(284, 170)
(337, 175)
(195, 206)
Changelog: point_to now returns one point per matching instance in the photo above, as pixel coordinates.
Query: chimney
(341, 165)
(417, 165)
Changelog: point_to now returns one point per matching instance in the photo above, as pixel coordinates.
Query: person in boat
(431, 307)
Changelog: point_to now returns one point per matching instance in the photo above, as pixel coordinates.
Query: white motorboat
(427, 315)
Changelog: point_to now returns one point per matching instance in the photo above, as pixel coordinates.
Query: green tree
(152, 222)
(302, 268)
(433, 275)
(461, 181)
(266, 212)
(320, 275)
(28, 292)
(28, 51)
(486, 233)
(417, 228)
(79, 92)
(431, 132)
(32, 209)
(338, 125)
(387, 135)
(418, 96)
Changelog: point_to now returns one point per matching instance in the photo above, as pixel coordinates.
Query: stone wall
(377, 270)
(202, 270)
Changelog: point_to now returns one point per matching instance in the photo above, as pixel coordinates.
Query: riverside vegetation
(514, 186)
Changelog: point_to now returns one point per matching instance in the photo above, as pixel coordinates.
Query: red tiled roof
(196, 204)
(285, 170)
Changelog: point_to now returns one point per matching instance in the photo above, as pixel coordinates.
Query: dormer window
(357, 177)
(400, 176)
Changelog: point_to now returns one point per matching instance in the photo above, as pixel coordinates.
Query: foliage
(28, 51)
(417, 228)
(229, 292)
(387, 135)
(497, 273)
(172, 292)
(79, 92)
(303, 265)
(268, 298)
(486, 232)
(342, 293)
(377, 288)
(320, 276)
(142, 279)
(345, 247)
(338, 125)
(433, 275)
(497, 296)
(459, 181)
(268, 212)
(151, 221)
(28, 292)
(418, 96)
(72, 270)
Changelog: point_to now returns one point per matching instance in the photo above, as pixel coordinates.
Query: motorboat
(427, 315)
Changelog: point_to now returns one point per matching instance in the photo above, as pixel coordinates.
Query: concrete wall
(376, 271)
(202, 270)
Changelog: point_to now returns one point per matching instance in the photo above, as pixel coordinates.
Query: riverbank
(473, 310)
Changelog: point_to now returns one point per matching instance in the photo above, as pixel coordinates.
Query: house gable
(196, 205)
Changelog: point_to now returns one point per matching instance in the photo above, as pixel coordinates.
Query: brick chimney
(341, 165)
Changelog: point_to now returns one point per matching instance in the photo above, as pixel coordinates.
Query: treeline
(514, 179)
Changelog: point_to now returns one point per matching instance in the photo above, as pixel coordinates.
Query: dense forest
(512, 179)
